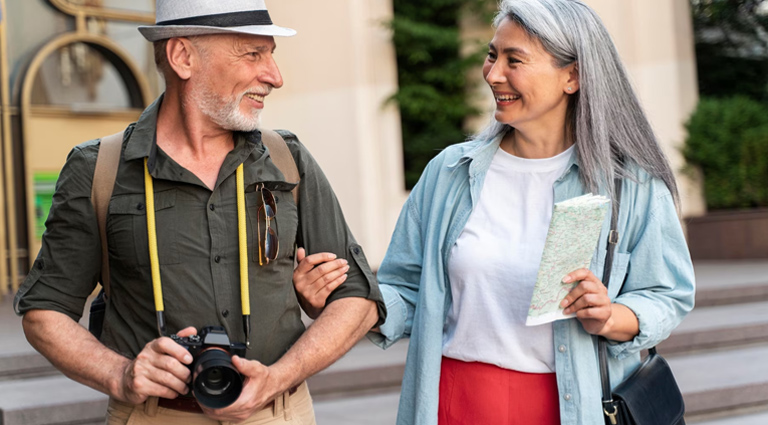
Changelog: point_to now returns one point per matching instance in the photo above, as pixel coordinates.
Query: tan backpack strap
(282, 158)
(101, 192)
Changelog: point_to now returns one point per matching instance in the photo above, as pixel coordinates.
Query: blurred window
(80, 78)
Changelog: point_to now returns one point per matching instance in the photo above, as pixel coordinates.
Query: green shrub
(432, 74)
(728, 140)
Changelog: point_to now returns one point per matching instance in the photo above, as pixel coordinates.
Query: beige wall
(338, 71)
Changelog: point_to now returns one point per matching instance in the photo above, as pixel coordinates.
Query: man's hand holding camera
(260, 386)
(160, 370)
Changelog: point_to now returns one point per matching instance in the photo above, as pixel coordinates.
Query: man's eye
(492, 56)
(513, 61)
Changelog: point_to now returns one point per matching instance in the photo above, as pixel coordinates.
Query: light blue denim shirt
(651, 261)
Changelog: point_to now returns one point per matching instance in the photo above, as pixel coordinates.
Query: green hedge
(728, 140)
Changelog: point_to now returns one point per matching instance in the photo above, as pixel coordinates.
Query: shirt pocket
(127, 228)
(285, 223)
(618, 271)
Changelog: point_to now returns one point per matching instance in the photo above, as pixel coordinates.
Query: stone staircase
(719, 355)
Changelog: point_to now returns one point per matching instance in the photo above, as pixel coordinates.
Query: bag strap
(104, 176)
(282, 158)
(105, 173)
(609, 406)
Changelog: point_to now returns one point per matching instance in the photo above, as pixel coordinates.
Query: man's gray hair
(605, 119)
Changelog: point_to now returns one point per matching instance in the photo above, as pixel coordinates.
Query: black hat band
(224, 20)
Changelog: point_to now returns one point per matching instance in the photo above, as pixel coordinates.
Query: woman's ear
(572, 82)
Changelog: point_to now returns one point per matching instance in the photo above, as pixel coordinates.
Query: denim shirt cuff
(648, 321)
(394, 327)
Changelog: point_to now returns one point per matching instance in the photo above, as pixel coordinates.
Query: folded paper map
(570, 245)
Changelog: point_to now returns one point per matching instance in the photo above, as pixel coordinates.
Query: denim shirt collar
(481, 156)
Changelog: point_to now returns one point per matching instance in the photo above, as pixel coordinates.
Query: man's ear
(182, 55)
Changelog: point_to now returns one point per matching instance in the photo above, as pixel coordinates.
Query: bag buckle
(611, 415)
(613, 237)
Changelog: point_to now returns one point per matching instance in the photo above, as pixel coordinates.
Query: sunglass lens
(269, 203)
(271, 244)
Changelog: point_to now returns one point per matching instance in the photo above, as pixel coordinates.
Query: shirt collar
(141, 141)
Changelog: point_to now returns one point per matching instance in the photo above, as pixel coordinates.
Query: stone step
(21, 365)
(730, 282)
(733, 417)
(366, 368)
(50, 400)
(722, 380)
(376, 409)
(718, 327)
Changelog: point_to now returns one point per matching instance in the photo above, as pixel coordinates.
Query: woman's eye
(492, 56)
(513, 61)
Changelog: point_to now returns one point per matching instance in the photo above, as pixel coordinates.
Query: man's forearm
(341, 324)
(74, 351)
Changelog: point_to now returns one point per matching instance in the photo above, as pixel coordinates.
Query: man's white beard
(225, 111)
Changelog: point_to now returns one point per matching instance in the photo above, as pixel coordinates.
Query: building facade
(73, 70)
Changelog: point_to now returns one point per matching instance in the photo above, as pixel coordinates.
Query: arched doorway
(55, 118)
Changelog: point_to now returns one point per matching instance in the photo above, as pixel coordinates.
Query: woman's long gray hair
(605, 119)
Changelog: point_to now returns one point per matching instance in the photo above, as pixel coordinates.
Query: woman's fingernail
(567, 279)
(564, 303)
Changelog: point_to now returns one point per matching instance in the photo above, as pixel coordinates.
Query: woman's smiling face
(528, 87)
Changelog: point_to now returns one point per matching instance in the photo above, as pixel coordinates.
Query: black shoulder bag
(650, 395)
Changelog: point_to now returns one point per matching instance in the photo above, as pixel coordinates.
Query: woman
(459, 272)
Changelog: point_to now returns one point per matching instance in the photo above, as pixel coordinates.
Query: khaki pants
(294, 409)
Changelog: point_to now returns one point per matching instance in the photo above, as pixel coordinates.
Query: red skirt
(484, 394)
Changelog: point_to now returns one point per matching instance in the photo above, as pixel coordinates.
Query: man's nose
(271, 74)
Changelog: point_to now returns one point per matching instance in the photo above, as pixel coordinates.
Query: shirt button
(356, 250)
(140, 206)
(217, 259)
(561, 349)
(40, 265)
(212, 207)
(567, 397)
(225, 312)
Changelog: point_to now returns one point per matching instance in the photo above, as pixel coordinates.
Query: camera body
(216, 383)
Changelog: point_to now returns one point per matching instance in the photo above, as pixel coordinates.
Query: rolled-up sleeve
(67, 267)
(660, 284)
(322, 228)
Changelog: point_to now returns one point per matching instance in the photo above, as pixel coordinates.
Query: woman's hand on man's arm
(315, 277)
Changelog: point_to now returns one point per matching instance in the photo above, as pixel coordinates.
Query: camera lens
(217, 383)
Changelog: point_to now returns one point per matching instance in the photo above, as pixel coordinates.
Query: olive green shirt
(197, 235)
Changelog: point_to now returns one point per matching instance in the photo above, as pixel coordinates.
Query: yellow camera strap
(154, 261)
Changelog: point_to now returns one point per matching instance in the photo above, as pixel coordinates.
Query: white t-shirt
(493, 266)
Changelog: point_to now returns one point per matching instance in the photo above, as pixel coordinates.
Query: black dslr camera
(216, 383)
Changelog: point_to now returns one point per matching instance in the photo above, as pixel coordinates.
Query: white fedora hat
(182, 18)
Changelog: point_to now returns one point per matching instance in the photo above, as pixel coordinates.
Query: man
(216, 57)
